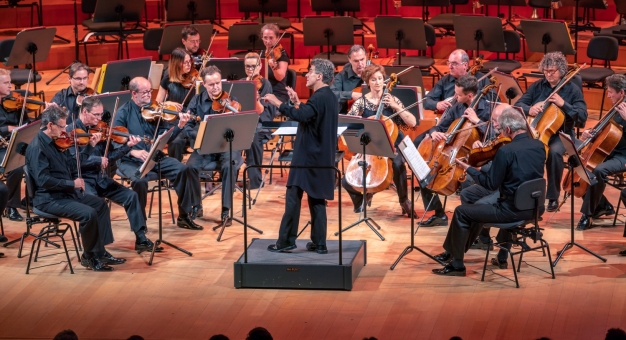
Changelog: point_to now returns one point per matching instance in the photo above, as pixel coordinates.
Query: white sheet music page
(413, 158)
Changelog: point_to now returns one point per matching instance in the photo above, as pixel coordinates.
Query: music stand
(119, 10)
(511, 91)
(574, 164)
(31, 45)
(243, 91)
(230, 68)
(373, 139)
(119, 73)
(411, 78)
(477, 32)
(172, 37)
(425, 4)
(548, 36)
(339, 7)
(193, 10)
(509, 4)
(328, 31)
(245, 36)
(223, 133)
(401, 33)
(20, 138)
(263, 6)
(108, 102)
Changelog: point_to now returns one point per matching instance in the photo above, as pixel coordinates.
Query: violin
(156, 110)
(274, 53)
(258, 81)
(86, 93)
(119, 134)
(66, 139)
(223, 103)
(190, 78)
(15, 102)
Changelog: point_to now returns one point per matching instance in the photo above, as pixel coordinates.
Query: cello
(445, 175)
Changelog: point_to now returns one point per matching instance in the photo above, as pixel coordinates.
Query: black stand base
(235, 219)
(160, 241)
(370, 223)
(571, 245)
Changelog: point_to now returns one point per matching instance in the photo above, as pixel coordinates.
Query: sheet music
(291, 130)
(413, 158)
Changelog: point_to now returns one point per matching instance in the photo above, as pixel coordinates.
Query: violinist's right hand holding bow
(79, 183)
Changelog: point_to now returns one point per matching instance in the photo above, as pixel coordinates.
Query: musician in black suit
(316, 141)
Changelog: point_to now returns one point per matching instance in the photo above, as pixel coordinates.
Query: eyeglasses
(453, 63)
(250, 67)
(62, 127)
(98, 115)
(553, 71)
(143, 93)
(193, 41)
(80, 79)
(187, 62)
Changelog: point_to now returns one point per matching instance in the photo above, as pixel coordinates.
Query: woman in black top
(171, 87)
(276, 67)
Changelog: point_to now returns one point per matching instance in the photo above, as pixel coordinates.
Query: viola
(66, 139)
(15, 102)
(86, 93)
(156, 111)
(223, 103)
(119, 134)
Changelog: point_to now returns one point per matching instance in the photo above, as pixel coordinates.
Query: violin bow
(30, 75)
(77, 153)
(493, 107)
(207, 53)
(106, 149)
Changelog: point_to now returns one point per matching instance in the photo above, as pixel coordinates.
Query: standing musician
(202, 105)
(277, 61)
(183, 178)
(78, 77)
(254, 155)
(316, 141)
(177, 94)
(366, 106)
(569, 100)
(349, 78)
(97, 183)
(191, 41)
(9, 120)
(465, 89)
(56, 190)
(595, 204)
(515, 163)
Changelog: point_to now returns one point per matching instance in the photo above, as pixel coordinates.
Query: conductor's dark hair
(77, 67)
(135, 337)
(219, 337)
(617, 82)
(355, 49)
(53, 114)
(209, 71)
(90, 102)
(259, 333)
(468, 83)
(325, 68)
(189, 30)
(615, 334)
(67, 334)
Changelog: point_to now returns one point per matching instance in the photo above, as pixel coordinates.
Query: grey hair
(512, 119)
(554, 59)
(53, 114)
(617, 82)
(464, 56)
(90, 102)
(325, 68)
(355, 49)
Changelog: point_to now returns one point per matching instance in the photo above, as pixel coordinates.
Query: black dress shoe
(605, 211)
(275, 248)
(584, 223)
(406, 207)
(321, 249)
(435, 221)
(622, 253)
(226, 221)
(3, 238)
(449, 270)
(499, 264)
(444, 257)
(107, 258)
(146, 245)
(187, 223)
(13, 214)
(552, 205)
(196, 212)
(311, 246)
(94, 264)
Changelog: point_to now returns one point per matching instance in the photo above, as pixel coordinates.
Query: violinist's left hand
(95, 138)
(271, 98)
(557, 100)
(470, 114)
(461, 164)
(272, 63)
(133, 140)
(183, 119)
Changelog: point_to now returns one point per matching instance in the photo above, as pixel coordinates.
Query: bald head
(458, 61)
(141, 91)
(497, 112)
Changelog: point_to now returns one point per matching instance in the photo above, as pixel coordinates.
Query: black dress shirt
(482, 109)
(444, 88)
(343, 85)
(67, 98)
(515, 163)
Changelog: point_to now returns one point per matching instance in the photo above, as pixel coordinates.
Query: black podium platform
(300, 269)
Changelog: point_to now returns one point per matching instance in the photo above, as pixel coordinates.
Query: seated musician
(184, 179)
(191, 41)
(595, 204)
(515, 163)
(277, 62)
(52, 171)
(173, 93)
(78, 78)
(366, 106)
(254, 155)
(9, 120)
(349, 77)
(465, 90)
(97, 182)
(569, 100)
(202, 105)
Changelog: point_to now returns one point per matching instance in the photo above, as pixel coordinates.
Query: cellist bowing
(569, 99)
(366, 106)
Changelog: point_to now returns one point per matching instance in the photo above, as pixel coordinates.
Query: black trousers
(254, 156)
(92, 214)
(289, 224)
(554, 167)
(11, 191)
(119, 194)
(220, 162)
(477, 194)
(594, 196)
(184, 179)
(176, 148)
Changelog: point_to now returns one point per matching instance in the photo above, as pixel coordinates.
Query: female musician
(595, 203)
(278, 61)
(366, 106)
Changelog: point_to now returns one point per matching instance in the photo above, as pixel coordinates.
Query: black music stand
(511, 91)
(122, 11)
(263, 6)
(574, 164)
(192, 10)
(231, 68)
(588, 26)
(216, 134)
(245, 36)
(339, 7)
(76, 46)
(509, 4)
(400, 33)
(411, 78)
(425, 4)
(119, 73)
(244, 91)
(172, 38)
(548, 36)
(328, 31)
(477, 32)
(31, 45)
(108, 102)
(373, 139)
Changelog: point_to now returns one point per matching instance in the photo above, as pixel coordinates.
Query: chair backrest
(291, 78)
(152, 39)
(88, 6)
(530, 192)
(578, 80)
(620, 6)
(603, 48)
(6, 46)
(540, 3)
(30, 184)
(512, 41)
(431, 38)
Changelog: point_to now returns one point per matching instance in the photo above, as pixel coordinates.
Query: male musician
(278, 63)
(254, 155)
(465, 90)
(184, 179)
(316, 141)
(56, 191)
(458, 61)
(569, 100)
(595, 203)
(9, 192)
(349, 77)
(515, 163)
(202, 105)
(97, 183)
(78, 77)
(191, 41)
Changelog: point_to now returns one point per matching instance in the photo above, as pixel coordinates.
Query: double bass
(441, 156)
